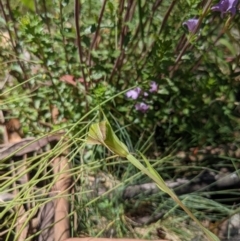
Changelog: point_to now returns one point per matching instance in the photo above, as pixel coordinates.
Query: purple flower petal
(154, 87)
(142, 107)
(133, 94)
(225, 6)
(191, 24)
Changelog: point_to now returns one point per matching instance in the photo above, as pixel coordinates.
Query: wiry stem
(97, 31)
(77, 14)
(128, 17)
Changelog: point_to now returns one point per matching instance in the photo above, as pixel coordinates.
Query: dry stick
(21, 219)
(61, 170)
(2, 121)
(27, 145)
(45, 220)
(24, 182)
(19, 209)
(52, 211)
(53, 219)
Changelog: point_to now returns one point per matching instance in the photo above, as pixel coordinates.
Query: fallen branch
(224, 179)
(27, 145)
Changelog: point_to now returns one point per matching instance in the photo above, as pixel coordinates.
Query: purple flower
(191, 24)
(225, 6)
(133, 94)
(154, 87)
(142, 107)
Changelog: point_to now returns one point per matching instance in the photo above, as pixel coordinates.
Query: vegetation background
(65, 62)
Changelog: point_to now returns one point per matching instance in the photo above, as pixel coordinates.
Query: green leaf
(102, 133)
(97, 133)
